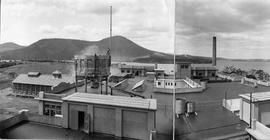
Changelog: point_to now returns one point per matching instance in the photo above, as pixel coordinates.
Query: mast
(174, 63)
(110, 28)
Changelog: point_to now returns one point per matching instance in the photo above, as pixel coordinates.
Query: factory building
(136, 70)
(31, 84)
(114, 115)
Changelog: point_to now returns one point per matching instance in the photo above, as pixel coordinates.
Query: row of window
(51, 109)
(128, 71)
(31, 87)
(166, 83)
(184, 66)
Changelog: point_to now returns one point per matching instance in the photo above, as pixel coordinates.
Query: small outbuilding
(115, 115)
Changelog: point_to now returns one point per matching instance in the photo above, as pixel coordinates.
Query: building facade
(136, 70)
(114, 115)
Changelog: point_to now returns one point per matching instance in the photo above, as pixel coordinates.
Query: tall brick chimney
(214, 57)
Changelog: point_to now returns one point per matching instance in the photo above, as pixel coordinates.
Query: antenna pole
(0, 20)
(110, 28)
(174, 63)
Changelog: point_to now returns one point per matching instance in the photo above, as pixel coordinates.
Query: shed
(115, 115)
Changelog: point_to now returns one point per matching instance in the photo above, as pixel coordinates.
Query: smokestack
(214, 57)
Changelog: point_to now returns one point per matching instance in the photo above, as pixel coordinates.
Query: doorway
(81, 120)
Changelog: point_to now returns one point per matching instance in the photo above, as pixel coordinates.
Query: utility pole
(174, 62)
(0, 21)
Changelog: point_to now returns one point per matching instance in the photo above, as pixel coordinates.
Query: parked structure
(116, 115)
(32, 83)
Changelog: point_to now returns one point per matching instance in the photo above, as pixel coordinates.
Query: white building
(260, 107)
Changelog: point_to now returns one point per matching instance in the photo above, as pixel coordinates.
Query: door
(104, 120)
(81, 120)
(135, 124)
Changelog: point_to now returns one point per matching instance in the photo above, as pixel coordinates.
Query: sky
(148, 23)
(242, 28)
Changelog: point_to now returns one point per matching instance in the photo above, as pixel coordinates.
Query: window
(184, 66)
(123, 71)
(159, 83)
(50, 109)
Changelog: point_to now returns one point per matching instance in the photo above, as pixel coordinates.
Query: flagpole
(174, 63)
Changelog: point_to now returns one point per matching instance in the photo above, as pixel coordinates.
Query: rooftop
(150, 104)
(257, 96)
(210, 123)
(43, 79)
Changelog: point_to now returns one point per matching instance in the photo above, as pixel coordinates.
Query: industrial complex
(135, 102)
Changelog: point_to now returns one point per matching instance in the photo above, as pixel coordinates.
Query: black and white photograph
(135, 69)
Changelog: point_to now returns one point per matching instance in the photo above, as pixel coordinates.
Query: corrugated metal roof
(132, 102)
(43, 79)
(257, 96)
(138, 84)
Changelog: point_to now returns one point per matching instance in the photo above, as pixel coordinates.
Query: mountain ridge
(123, 49)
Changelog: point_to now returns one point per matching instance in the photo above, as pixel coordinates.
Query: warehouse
(114, 115)
(31, 84)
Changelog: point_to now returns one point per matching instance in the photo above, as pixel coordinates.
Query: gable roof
(43, 79)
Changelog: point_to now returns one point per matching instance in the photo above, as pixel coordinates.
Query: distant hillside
(168, 58)
(122, 49)
(9, 46)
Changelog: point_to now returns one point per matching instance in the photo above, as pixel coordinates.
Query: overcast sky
(146, 22)
(242, 27)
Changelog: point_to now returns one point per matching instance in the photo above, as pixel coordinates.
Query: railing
(267, 83)
(191, 83)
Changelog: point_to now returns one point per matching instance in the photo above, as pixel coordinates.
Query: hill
(122, 49)
(9, 46)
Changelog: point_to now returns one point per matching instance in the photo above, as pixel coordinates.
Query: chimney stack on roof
(214, 57)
